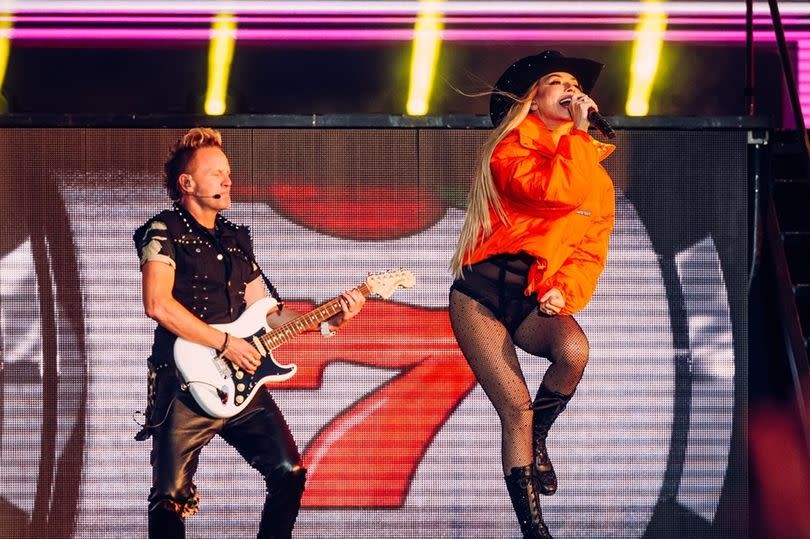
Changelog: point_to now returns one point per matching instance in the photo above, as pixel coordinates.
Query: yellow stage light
(646, 53)
(426, 44)
(5, 44)
(220, 55)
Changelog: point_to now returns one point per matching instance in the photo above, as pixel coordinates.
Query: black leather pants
(260, 435)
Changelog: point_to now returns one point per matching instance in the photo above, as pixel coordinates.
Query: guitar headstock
(385, 284)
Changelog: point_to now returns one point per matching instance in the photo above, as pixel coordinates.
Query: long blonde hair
(483, 195)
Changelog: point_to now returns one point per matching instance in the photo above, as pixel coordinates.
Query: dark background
(340, 78)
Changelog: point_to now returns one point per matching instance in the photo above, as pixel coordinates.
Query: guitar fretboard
(280, 335)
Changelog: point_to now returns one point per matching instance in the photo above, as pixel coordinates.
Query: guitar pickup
(259, 346)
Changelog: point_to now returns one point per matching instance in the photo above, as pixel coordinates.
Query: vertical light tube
(646, 53)
(427, 40)
(220, 55)
(6, 24)
(803, 78)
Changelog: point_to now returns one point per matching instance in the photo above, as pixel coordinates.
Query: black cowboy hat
(519, 77)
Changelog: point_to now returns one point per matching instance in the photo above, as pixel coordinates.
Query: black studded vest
(212, 268)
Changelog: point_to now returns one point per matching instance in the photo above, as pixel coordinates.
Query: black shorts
(499, 283)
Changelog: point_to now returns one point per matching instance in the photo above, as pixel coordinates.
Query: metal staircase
(788, 232)
(788, 220)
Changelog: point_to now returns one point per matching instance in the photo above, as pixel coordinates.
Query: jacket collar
(192, 224)
(534, 135)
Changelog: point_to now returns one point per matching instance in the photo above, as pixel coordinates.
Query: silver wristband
(325, 331)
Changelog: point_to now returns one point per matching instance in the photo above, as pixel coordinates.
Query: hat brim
(520, 76)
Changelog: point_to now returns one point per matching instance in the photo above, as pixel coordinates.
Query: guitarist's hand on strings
(351, 303)
(242, 354)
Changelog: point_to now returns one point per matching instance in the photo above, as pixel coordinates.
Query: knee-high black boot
(547, 406)
(282, 504)
(522, 487)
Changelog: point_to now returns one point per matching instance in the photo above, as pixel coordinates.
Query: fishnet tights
(490, 351)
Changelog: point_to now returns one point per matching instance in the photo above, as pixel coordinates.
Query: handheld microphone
(601, 124)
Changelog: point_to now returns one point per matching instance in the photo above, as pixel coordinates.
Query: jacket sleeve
(578, 275)
(532, 180)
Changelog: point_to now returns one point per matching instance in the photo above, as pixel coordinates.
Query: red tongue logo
(358, 212)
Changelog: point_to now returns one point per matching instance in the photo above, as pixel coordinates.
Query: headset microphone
(187, 183)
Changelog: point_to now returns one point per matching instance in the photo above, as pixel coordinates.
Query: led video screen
(398, 438)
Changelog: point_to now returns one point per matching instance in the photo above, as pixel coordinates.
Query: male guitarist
(198, 269)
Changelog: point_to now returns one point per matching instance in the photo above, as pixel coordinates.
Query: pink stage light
(412, 7)
(803, 79)
(380, 34)
(375, 20)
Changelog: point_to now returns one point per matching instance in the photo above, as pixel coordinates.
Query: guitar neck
(280, 335)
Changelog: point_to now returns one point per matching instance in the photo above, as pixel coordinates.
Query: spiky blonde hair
(182, 152)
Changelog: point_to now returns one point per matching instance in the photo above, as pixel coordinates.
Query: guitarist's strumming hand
(242, 354)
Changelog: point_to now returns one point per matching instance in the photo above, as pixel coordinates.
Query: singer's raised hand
(581, 105)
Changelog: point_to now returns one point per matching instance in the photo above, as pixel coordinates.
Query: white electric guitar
(221, 388)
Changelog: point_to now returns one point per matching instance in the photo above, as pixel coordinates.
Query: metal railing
(794, 344)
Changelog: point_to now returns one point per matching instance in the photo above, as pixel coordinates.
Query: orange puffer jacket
(560, 203)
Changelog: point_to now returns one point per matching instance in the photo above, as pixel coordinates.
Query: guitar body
(220, 388)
